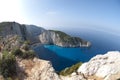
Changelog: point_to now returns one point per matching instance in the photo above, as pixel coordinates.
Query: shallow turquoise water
(64, 57)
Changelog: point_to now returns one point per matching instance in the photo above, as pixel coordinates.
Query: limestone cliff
(12, 28)
(100, 67)
(62, 39)
(104, 66)
(35, 69)
(36, 34)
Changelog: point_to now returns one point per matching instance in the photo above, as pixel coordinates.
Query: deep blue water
(61, 58)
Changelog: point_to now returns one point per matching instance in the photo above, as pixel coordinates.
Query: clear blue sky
(104, 14)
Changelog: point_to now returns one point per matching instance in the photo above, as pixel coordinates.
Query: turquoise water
(64, 57)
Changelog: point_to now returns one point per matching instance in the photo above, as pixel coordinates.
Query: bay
(61, 58)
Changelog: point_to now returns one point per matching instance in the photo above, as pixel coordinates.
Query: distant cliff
(25, 32)
(62, 39)
(35, 34)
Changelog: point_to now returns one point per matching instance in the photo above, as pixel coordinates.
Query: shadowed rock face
(13, 34)
(25, 32)
(33, 32)
(12, 28)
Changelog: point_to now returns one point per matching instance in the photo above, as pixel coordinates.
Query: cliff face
(100, 67)
(11, 29)
(36, 69)
(36, 34)
(104, 66)
(33, 32)
(61, 39)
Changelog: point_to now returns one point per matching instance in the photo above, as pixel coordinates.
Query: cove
(64, 57)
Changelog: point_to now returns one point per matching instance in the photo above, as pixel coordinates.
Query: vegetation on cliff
(23, 54)
(70, 70)
(7, 65)
(8, 59)
(3, 24)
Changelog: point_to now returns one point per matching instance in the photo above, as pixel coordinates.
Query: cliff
(100, 67)
(62, 39)
(104, 67)
(35, 34)
(25, 32)
(35, 69)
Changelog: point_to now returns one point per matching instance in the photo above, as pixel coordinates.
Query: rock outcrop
(73, 77)
(62, 39)
(35, 69)
(104, 66)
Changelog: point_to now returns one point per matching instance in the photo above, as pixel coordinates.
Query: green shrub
(28, 54)
(25, 47)
(17, 52)
(7, 65)
(27, 42)
(9, 78)
(69, 70)
(24, 55)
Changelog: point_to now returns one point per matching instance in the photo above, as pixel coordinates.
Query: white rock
(102, 65)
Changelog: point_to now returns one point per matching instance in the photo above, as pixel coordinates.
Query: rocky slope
(37, 69)
(100, 67)
(104, 66)
(62, 39)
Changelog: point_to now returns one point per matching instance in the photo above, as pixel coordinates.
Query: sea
(102, 42)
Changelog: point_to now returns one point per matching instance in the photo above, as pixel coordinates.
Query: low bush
(69, 70)
(28, 54)
(7, 65)
(17, 52)
(24, 55)
(27, 42)
(25, 47)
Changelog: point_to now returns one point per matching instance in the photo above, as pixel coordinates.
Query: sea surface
(61, 58)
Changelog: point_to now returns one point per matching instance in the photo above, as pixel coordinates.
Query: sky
(96, 14)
